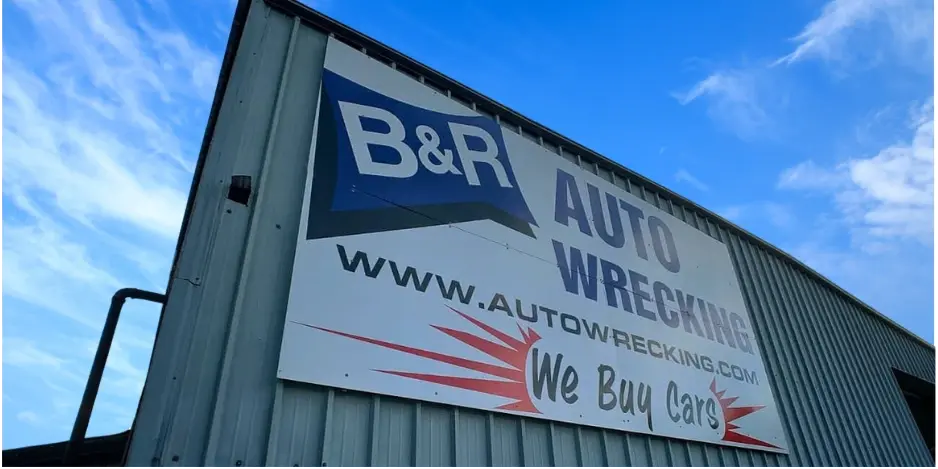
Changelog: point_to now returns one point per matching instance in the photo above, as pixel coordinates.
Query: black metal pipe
(80, 428)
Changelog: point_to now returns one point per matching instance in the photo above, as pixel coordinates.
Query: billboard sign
(443, 258)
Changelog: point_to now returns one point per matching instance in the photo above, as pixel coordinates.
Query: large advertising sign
(443, 258)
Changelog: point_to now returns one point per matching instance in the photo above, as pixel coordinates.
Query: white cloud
(824, 36)
(809, 175)
(103, 108)
(747, 100)
(92, 118)
(49, 363)
(84, 166)
(682, 175)
(55, 376)
(24, 353)
(105, 155)
(885, 197)
(883, 204)
(734, 100)
(45, 268)
(173, 49)
(907, 33)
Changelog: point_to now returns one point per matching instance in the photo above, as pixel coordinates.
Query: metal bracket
(239, 191)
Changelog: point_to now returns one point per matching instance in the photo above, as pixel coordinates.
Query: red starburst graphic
(731, 413)
(511, 351)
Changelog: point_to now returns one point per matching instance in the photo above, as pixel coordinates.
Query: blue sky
(808, 122)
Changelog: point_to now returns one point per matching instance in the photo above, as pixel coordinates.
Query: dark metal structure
(106, 451)
(79, 430)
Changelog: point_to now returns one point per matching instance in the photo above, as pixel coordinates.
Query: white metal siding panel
(212, 397)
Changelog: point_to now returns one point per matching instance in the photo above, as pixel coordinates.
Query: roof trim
(224, 73)
(354, 38)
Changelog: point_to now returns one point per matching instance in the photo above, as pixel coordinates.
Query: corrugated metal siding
(212, 397)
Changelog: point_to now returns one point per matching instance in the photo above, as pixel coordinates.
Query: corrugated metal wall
(212, 398)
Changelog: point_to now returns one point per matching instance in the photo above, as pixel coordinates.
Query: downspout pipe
(80, 429)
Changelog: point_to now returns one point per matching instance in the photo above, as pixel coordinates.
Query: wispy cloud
(733, 100)
(46, 269)
(885, 197)
(809, 175)
(25, 353)
(89, 172)
(747, 100)
(905, 30)
(682, 175)
(47, 368)
(883, 204)
(53, 372)
(881, 199)
(824, 36)
(104, 105)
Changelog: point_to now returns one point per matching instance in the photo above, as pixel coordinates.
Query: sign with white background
(443, 258)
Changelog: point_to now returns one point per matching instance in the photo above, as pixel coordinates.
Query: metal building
(836, 366)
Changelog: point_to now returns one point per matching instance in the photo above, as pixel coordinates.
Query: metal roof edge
(239, 18)
(355, 38)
